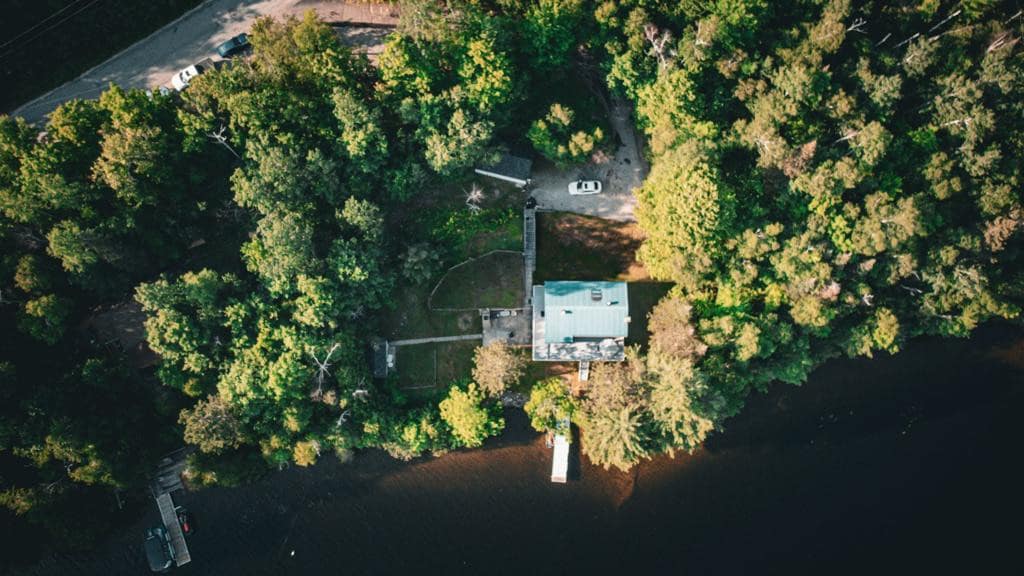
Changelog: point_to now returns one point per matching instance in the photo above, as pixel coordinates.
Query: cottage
(580, 321)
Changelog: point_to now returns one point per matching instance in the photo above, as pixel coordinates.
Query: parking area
(152, 61)
(619, 174)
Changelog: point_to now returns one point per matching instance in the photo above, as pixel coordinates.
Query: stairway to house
(529, 253)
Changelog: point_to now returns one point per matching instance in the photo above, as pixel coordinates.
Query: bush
(561, 139)
(496, 367)
(471, 422)
(550, 406)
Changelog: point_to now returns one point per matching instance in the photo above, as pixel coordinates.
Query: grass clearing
(442, 218)
(576, 247)
(411, 318)
(425, 371)
(493, 281)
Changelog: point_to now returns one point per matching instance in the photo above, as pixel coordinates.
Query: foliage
(827, 178)
(308, 153)
(647, 404)
(420, 263)
(550, 405)
(560, 139)
(456, 229)
(469, 418)
(497, 367)
(212, 425)
(814, 191)
(612, 416)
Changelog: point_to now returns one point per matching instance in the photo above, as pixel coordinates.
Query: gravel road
(152, 61)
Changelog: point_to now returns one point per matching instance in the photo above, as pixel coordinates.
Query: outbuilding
(509, 168)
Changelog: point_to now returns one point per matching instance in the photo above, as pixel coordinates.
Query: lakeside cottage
(580, 321)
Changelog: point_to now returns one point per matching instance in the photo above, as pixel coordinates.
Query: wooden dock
(174, 534)
(560, 460)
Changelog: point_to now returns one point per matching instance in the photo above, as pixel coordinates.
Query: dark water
(905, 464)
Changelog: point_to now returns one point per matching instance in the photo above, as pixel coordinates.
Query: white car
(583, 187)
(181, 79)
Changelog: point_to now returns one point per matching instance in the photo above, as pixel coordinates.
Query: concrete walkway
(435, 339)
(152, 61)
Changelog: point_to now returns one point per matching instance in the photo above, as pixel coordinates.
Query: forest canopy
(828, 177)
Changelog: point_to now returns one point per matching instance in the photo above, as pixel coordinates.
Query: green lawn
(410, 317)
(574, 247)
(494, 281)
(427, 370)
(441, 218)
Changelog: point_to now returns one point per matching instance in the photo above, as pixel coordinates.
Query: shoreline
(861, 461)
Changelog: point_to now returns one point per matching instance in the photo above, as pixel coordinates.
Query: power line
(40, 23)
(47, 29)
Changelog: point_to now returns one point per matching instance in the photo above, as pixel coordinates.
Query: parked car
(158, 549)
(181, 80)
(233, 46)
(583, 187)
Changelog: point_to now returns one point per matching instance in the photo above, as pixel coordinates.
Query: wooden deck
(170, 519)
(529, 253)
(560, 460)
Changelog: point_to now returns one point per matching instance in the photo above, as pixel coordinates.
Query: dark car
(158, 549)
(233, 46)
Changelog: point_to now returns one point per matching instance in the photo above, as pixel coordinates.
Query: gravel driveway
(153, 60)
(620, 175)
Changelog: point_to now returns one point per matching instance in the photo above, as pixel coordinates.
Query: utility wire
(47, 29)
(40, 23)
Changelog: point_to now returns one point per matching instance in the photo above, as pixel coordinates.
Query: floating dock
(560, 462)
(170, 518)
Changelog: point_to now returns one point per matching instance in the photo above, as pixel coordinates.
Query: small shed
(509, 168)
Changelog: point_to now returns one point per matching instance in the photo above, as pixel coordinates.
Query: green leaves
(470, 420)
(814, 190)
(497, 367)
(562, 140)
(550, 405)
(686, 210)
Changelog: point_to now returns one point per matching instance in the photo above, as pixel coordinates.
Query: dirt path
(414, 341)
(152, 61)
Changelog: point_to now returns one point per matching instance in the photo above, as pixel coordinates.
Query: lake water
(898, 464)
